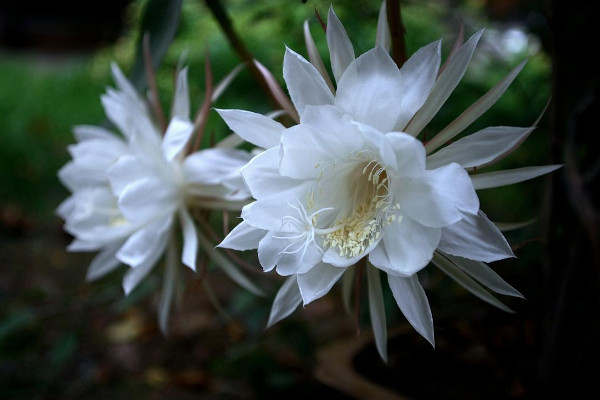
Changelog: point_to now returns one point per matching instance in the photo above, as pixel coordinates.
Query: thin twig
(397, 32)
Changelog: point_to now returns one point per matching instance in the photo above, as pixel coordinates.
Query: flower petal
(481, 148)
(125, 171)
(190, 239)
(176, 137)
(341, 51)
(243, 237)
(213, 166)
(262, 175)
(371, 90)
(439, 198)
(377, 311)
(181, 99)
(140, 246)
(509, 176)
(412, 300)
(485, 275)
(288, 298)
(407, 247)
(105, 262)
(445, 84)
(421, 71)
(146, 198)
(305, 84)
(170, 281)
(316, 282)
(466, 281)
(475, 237)
(410, 153)
(255, 128)
(383, 37)
(135, 275)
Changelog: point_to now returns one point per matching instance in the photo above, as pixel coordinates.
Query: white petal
(315, 57)
(255, 128)
(300, 261)
(509, 176)
(481, 148)
(147, 198)
(142, 244)
(466, 281)
(475, 237)
(181, 101)
(377, 311)
(474, 111)
(170, 281)
(407, 247)
(485, 275)
(305, 84)
(371, 90)
(439, 197)
(135, 275)
(341, 51)
(333, 257)
(410, 153)
(412, 300)
(383, 37)
(445, 84)
(125, 171)
(421, 71)
(176, 137)
(269, 251)
(286, 301)
(105, 262)
(213, 166)
(318, 281)
(243, 237)
(88, 132)
(262, 175)
(190, 239)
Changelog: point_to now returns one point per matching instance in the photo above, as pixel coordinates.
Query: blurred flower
(351, 180)
(131, 194)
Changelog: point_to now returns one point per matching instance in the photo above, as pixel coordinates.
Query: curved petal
(176, 137)
(253, 127)
(135, 275)
(510, 176)
(377, 311)
(213, 166)
(305, 84)
(190, 239)
(125, 171)
(410, 153)
(421, 71)
(340, 47)
(407, 247)
(105, 262)
(146, 198)
(316, 282)
(412, 300)
(475, 237)
(481, 148)
(439, 198)
(262, 175)
(371, 90)
(243, 237)
(288, 298)
(181, 99)
(140, 246)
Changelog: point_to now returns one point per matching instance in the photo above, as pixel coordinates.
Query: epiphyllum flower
(352, 182)
(132, 194)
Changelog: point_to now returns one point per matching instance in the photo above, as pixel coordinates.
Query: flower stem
(397, 31)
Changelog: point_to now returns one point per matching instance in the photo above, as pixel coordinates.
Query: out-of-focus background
(62, 337)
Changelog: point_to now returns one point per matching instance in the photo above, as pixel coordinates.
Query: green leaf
(160, 21)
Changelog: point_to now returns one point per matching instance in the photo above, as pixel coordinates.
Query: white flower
(352, 181)
(131, 194)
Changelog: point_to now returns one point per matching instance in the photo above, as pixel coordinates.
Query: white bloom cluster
(351, 182)
(131, 194)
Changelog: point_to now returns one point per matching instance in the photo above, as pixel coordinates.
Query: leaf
(160, 21)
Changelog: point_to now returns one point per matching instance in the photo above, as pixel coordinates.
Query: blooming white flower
(351, 181)
(131, 194)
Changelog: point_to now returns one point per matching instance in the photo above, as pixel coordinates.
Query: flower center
(372, 208)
